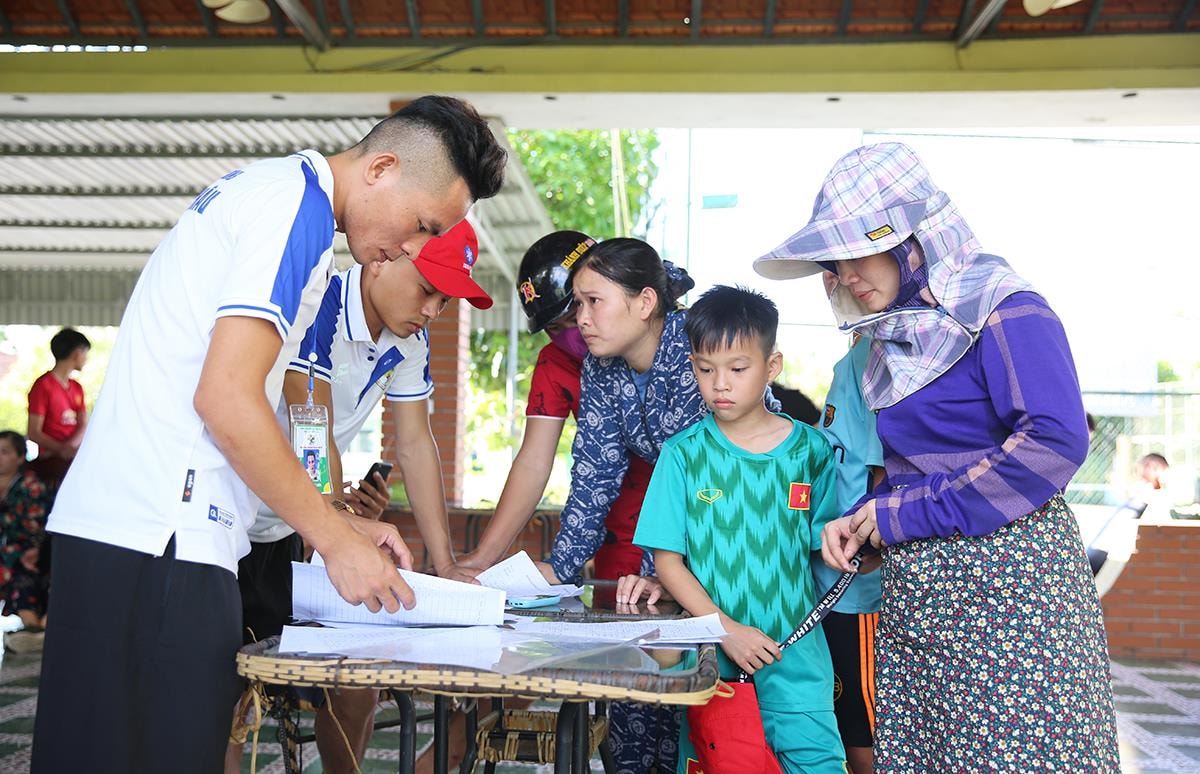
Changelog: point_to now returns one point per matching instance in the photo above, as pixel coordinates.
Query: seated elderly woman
(24, 503)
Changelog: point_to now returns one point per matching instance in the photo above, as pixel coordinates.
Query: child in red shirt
(57, 414)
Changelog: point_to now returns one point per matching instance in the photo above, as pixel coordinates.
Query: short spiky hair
(473, 151)
(723, 315)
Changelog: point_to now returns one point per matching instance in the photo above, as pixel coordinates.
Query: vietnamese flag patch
(799, 496)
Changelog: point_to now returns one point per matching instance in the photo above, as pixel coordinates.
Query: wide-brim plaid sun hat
(872, 200)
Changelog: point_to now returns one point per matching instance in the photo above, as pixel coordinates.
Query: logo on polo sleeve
(799, 496)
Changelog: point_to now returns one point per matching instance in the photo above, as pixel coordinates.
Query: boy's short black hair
(65, 342)
(723, 315)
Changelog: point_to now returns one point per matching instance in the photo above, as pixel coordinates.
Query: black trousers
(138, 671)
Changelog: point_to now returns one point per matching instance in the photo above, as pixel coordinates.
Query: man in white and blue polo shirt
(371, 344)
(138, 669)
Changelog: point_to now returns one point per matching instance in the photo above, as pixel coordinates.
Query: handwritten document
(439, 601)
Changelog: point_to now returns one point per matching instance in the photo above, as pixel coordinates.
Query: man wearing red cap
(370, 342)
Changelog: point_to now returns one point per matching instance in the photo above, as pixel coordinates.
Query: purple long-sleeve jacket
(992, 438)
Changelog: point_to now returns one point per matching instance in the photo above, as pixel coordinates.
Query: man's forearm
(422, 472)
(246, 431)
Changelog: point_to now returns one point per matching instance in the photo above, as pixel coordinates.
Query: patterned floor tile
(1158, 722)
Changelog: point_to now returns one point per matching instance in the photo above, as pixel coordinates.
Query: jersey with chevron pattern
(727, 511)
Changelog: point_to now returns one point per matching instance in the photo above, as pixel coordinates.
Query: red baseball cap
(446, 261)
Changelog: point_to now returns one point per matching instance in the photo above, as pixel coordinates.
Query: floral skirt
(991, 654)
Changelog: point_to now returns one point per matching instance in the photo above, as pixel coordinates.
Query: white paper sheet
(684, 630)
(328, 641)
(519, 577)
(439, 601)
(477, 647)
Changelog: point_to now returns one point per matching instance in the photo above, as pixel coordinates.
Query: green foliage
(1166, 373)
(572, 171)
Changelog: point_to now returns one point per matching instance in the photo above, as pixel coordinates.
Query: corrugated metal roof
(98, 194)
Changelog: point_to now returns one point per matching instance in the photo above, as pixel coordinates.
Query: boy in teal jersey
(733, 512)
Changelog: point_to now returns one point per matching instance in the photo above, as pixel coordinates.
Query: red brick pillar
(449, 343)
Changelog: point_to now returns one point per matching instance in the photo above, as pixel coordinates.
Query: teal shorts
(804, 743)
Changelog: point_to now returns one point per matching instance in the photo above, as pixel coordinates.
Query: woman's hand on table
(367, 500)
(842, 538)
(461, 570)
(748, 647)
(631, 588)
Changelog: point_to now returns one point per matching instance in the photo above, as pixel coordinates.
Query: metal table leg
(605, 749)
(564, 736)
(581, 748)
(472, 727)
(408, 732)
(441, 734)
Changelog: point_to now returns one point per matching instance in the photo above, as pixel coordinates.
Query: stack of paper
(519, 577)
(439, 601)
(479, 647)
(706, 628)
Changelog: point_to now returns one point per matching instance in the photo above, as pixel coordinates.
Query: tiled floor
(1158, 718)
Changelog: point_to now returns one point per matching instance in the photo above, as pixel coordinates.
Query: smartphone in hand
(382, 468)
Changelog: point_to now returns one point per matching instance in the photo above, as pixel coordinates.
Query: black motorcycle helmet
(544, 279)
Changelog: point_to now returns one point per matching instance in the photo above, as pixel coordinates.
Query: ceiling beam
(314, 32)
(477, 17)
(1095, 62)
(769, 19)
(921, 14)
(980, 22)
(1184, 14)
(277, 21)
(414, 20)
(206, 16)
(964, 16)
(347, 17)
(1093, 16)
(139, 21)
(64, 8)
(843, 20)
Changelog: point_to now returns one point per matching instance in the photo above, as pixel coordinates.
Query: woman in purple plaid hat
(990, 653)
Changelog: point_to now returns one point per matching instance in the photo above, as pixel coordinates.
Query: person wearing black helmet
(544, 287)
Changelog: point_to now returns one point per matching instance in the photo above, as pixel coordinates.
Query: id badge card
(310, 442)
